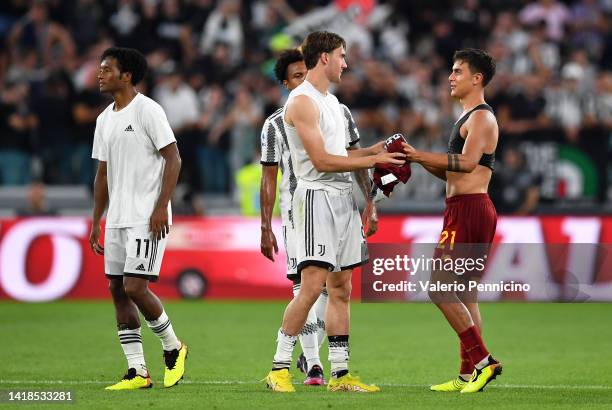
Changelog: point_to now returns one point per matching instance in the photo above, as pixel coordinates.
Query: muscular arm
(172, 167)
(303, 115)
(100, 193)
(357, 151)
(369, 218)
(267, 197)
(100, 203)
(481, 126)
(437, 172)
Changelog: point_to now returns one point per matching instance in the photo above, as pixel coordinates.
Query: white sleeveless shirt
(332, 124)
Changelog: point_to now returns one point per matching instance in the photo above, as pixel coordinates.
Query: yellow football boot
(350, 383)
(175, 365)
(280, 381)
(480, 378)
(457, 384)
(132, 381)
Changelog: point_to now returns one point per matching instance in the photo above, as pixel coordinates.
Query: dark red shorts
(469, 218)
(469, 227)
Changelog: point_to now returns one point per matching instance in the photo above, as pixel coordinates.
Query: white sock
(131, 343)
(308, 336)
(466, 377)
(163, 329)
(483, 363)
(339, 355)
(320, 307)
(284, 350)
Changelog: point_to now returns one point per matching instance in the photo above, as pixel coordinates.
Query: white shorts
(328, 229)
(133, 252)
(290, 245)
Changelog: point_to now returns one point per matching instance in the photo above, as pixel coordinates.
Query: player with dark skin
(131, 294)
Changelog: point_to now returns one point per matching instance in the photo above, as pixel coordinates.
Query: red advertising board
(49, 258)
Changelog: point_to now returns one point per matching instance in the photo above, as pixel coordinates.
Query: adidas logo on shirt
(140, 267)
(129, 128)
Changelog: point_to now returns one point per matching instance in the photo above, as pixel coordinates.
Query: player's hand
(94, 240)
(369, 219)
(268, 243)
(378, 147)
(393, 158)
(158, 223)
(411, 152)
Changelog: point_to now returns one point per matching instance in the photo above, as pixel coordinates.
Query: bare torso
(477, 181)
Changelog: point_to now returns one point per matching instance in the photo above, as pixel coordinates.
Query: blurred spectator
(566, 106)
(212, 151)
(85, 19)
(133, 24)
(600, 104)
(173, 32)
(523, 109)
(542, 56)
(586, 18)
(36, 31)
(242, 123)
(16, 126)
(52, 108)
(514, 189)
(224, 25)
(553, 72)
(554, 13)
(87, 105)
(37, 203)
(180, 102)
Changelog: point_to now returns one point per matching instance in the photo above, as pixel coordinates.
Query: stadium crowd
(211, 70)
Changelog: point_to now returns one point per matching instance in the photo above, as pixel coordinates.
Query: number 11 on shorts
(138, 243)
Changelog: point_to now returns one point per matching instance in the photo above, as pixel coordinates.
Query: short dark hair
(129, 60)
(479, 61)
(285, 59)
(319, 42)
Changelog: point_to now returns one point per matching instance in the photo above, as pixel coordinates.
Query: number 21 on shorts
(444, 236)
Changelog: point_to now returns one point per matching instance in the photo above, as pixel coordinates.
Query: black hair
(286, 58)
(479, 61)
(129, 60)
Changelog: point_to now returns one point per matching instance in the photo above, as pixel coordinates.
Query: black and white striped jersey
(275, 151)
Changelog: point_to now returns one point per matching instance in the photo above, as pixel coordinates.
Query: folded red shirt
(387, 176)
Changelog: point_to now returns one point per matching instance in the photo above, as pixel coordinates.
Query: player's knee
(116, 288)
(341, 293)
(135, 290)
(308, 293)
(437, 296)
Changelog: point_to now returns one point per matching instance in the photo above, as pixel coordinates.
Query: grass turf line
(404, 347)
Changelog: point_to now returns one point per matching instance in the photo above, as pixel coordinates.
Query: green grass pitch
(554, 356)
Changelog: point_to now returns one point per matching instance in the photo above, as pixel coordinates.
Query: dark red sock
(466, 363)
(474, 346)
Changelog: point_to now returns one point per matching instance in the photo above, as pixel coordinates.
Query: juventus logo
(321, 250)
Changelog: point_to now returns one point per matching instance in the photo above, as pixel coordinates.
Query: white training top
(275, 151)
(129, 141)
(331, 122)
